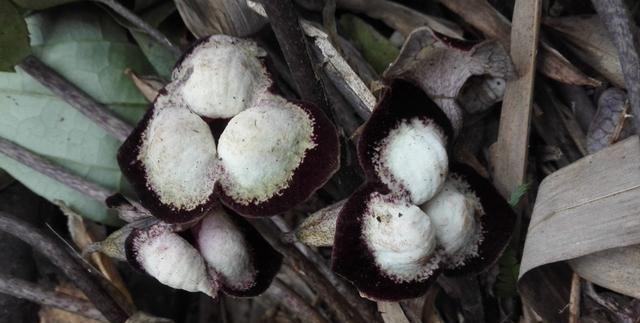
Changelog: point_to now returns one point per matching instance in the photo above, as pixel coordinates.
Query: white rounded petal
(400, 236)
(173, 261)
(261, 147)
(225, 250)
(222, 76)
(453, 213)
(179, 156)
(413, 158)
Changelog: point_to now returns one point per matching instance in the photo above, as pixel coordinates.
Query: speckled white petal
(222, 76)
(453, 213)
(172, 261)
(401, 237)
(225, 250)
(261, 147)
(178, 153)
(413, 159)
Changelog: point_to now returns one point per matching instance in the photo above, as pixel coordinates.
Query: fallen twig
(294, 302)
(77, 98)
(58, 255)
(53, 171)
(574, 299)
(26, 290)
(310, 273)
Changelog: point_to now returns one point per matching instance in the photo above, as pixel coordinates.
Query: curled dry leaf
(483, 16)
(212, 17)
(442, 66)
(611, 122)
(271, 153)
(586, 208)
(318, 230)
(588, 39)
(149, 86)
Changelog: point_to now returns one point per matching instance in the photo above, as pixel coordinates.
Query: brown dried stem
(285, 24)
(53, 171)
(57, 254)
(294, 302)
(77, 98)
(26, 290)
(615, 17)
(310, 273)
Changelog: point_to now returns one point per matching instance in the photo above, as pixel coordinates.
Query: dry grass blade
(481, 15)
(588, 40)
(510, 151)
(392, 312)
(208, 17)
(586, 207)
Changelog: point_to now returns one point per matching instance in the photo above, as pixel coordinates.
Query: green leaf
(159, 56)
(375, 48)
(14, 38)
(91, 51)
(507, 280)
(517, 195)
(40, 4)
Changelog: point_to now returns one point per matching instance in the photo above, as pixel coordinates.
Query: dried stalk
(26, 290)
(352, 298)
(294, 302)
(77, 98)
(53, 171)
(574, 299)
(310, 273)
(615, 17)
(58, 255)
(284, 22)
(143, 25)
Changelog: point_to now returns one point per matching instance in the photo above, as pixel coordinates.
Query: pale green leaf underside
(91, 51)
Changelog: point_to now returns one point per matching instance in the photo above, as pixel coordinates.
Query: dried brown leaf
(589, 41)
(483, 16)
(587, 207)
(442, 70)
(84, 234)
(229, 17)
(509, 153)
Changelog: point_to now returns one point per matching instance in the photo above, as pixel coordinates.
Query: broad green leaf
(14, 38)
(159, 56)
(375, 48)
(90, 50)
(40, 4)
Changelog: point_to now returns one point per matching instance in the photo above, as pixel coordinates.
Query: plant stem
(143, 25)
(57, 254)
(45, 167)
(73, 95)
(615, 17)
(359, 303)
(26, 290)
(310, 273)
(294, 302)
(285, 24)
